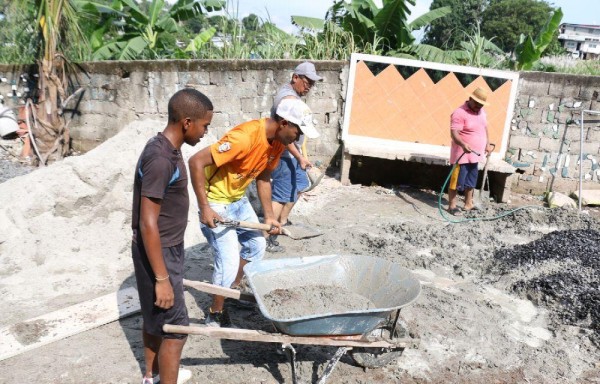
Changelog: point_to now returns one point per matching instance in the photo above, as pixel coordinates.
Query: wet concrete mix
(310, 300)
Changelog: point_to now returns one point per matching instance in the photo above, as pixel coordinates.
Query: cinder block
(550, 145)
(534, 116)
(564, 89)
(329, 77)
(220, 120)
(267, 89)
(322, 105)
(229, 90)
(256, 104)
(325, 90)
(225, 77)
(142, 104)
(194, 79)
(593, 134)
(282, 77)
(522, 101)
(257, 77)
(591, 148)
(229, 105)
(528, 87)
(524, 142)
(589, 93)
(546, 102)
(574, 133)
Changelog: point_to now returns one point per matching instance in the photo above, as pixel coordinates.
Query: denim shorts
(155, 317)
(287, 180)
(225, 241)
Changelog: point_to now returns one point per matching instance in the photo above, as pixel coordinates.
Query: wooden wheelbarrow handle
(218, 290)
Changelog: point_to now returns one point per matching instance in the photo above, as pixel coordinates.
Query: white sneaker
(183, 376)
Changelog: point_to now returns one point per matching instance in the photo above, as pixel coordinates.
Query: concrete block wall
(117, 93)
(545, 138)
(545, 129)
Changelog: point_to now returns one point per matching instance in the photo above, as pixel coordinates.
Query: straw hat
(480, 95)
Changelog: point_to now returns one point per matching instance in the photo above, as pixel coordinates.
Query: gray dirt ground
(472, 328)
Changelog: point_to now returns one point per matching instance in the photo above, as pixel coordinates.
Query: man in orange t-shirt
(220, 175)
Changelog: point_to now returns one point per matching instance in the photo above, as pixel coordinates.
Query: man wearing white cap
(470, 139)
(220, 175)
(290, 178)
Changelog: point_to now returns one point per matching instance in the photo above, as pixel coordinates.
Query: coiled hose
(443, 213)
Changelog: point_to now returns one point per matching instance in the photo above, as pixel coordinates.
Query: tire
(379, 357)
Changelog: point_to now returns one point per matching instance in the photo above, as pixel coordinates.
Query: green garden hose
(450, 220)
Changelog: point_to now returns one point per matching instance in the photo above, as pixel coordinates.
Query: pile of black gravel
(569, 285)
(10, 168)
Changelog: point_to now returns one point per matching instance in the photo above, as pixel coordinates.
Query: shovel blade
(300, 231)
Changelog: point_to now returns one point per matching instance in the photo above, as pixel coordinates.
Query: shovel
(314, 176)
(484, 196)
(294, 231)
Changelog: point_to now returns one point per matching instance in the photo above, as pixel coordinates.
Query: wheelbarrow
(375, 337)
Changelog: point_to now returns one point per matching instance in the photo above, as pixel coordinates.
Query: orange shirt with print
(240, 156)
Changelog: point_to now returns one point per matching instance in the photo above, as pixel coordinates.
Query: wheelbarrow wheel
(375, 357)
(379, 357)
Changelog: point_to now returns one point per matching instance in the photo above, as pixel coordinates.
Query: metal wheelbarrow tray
(388, 285)
(375, 337)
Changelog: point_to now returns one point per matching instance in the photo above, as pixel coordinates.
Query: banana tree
(144, 35)
(528, 51)
(477, 51)
(57, 23)
(387, 26)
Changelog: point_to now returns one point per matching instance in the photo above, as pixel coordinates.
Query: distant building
(582, 41)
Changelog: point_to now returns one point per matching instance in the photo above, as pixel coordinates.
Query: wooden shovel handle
(251, 225)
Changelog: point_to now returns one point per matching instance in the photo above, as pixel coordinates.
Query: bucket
(8, 123)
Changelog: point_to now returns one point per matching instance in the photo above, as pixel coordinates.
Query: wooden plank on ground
(588, 196)
(33, 333)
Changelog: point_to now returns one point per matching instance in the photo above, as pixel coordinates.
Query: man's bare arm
(197, 164)
(263, 187)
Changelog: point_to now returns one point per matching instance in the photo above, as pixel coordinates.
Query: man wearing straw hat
(470, 140)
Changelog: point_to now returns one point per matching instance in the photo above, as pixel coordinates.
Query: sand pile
(65, 229)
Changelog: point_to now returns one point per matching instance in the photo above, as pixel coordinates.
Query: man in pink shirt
(468, 129)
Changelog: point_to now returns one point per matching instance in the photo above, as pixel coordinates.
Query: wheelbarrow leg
(332, 363)
(291, 354)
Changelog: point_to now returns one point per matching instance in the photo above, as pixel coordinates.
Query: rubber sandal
(455, 212)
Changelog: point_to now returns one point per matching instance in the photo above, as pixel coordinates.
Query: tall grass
(270, 42)
(567, 64)
(333, 43)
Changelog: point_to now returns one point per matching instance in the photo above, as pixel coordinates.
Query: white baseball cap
(297, 112)
(307, 69)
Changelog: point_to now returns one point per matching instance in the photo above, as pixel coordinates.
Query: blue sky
(279, 11)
